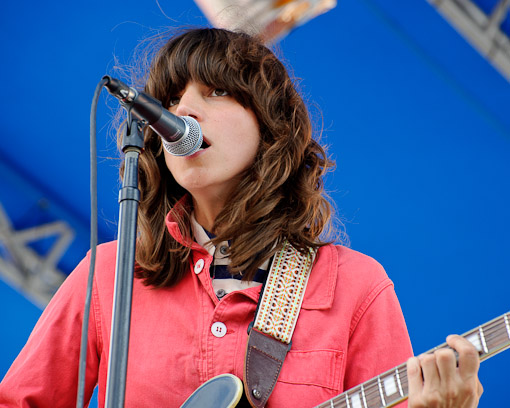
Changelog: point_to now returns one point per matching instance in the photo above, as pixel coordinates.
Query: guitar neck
(391, 387)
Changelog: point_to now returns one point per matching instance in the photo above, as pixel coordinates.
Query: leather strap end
(264, 359)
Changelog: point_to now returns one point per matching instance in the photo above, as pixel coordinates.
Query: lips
(205, 144)
(203, 147)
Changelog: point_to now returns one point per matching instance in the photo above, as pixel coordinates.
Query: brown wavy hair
(280, 196)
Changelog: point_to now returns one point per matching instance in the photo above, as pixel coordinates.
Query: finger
(431, 379)
(446, 364)
(447, 368)
(414, 377)
(469, 360)
(479, 389)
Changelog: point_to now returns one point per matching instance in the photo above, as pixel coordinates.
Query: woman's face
(231, 141)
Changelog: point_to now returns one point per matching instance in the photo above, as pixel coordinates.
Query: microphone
(180, 135)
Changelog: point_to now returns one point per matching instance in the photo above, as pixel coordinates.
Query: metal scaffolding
(35, 275)
(482, 30)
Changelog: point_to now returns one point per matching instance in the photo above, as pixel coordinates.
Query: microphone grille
(189, 143)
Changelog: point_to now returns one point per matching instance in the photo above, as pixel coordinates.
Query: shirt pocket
(321, 368)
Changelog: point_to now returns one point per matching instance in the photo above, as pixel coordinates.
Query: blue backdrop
(417, 121)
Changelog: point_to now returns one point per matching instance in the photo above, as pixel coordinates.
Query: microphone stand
(129, 197)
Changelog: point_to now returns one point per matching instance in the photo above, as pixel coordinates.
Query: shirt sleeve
(45, 373)
(379, 340)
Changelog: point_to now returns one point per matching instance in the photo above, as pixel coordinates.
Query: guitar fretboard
(391, 388)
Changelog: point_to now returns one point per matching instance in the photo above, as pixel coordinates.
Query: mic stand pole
(129, 196)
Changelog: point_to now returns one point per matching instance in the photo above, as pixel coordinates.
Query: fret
(495, 335)
(391, 388)
(399, 383)
(482, 338)
(474, 339)
(393, 391)
(356, 401)
(373, 394)
(381, 391)
(405, 381)
(390, 384)
(363, 396)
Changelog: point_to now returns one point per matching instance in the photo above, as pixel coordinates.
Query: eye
(219, 92)
(173, 101)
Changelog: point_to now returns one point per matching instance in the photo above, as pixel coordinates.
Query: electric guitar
(386, 390)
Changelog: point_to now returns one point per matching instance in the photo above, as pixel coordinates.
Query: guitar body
(223, 391)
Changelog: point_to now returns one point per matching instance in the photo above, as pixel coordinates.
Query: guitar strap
(270, 337)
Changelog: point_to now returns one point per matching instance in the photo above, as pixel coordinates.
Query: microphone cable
(93, 244)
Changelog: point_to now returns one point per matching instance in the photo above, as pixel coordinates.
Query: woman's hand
(435, 380)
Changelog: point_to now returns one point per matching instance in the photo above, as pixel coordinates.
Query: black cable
(93, 244)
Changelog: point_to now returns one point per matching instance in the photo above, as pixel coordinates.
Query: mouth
(205, 144)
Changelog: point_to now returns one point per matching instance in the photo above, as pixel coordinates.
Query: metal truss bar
(481, 30)
(58, 228)
(37, 276)
(497, 17)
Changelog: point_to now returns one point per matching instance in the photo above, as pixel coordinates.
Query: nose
(190, 104)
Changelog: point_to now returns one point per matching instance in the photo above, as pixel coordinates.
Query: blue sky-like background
(417, 121)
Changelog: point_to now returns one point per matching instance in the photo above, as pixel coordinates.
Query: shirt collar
(321, 285)
(201, 236)
(203, 239)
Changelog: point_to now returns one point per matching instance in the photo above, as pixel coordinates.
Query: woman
(208, 227)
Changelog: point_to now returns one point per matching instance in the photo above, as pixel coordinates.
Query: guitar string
(496, 333)
(374, 394)
(372, 390)
(491, 330)
(371, 387)
(497, 326)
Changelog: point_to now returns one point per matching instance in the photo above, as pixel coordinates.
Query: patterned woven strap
(284, 292)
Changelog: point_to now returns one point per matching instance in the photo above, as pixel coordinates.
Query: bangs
(207, 57)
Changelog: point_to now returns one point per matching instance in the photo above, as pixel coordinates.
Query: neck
(206, 211)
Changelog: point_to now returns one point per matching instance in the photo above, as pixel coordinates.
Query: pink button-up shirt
(350, 329)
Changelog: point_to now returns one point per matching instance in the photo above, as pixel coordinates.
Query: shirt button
(223, 249)
(199, 266)
(218, 329)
